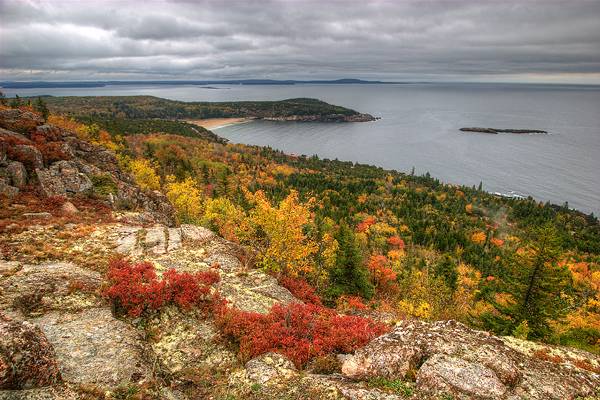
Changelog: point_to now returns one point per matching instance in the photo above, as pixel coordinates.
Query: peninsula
(300, 109)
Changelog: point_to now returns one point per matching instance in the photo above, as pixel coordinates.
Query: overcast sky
(552, 41)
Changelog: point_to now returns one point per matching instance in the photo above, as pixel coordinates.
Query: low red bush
(186, 289)
(299, 331)
(135, 288)
(301, 289)
(347, 303)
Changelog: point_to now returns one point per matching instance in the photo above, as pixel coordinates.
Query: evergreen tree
(16, 102)
(348, 276)
(446, 270)
(42, 108)
(533, 290)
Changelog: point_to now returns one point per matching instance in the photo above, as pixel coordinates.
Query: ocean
(419, 128)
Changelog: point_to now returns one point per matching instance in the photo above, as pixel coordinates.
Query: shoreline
(216, 123)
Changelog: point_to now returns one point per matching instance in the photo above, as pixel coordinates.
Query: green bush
(103, 184)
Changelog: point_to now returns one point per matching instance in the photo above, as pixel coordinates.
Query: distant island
(90, 84)
(496, 131)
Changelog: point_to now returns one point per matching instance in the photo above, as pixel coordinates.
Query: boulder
(27, 154)
(68, 208)
(92, 347)
(12, 138)
(63, 178)
(269, 367)
(453, 375)
(7, 190)
(27, 359)
(52, 133)
(187, 343)
(17, 173)
(196, 233)
(19, 121)
(49, 286)
(37, 215)
(156, 206)
(448, 357)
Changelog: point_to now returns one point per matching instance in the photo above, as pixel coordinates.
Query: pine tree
(16, 102)
(534, 288)
(446, 269)
(349, 276)
(40, 106)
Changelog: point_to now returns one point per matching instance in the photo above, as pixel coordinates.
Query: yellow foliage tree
(144, 174)
(186, 198)
(227, 218)
(281, 241)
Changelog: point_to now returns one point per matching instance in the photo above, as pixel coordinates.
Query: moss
(103, 184)
(396, 386)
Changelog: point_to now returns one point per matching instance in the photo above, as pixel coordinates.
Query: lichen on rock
(448, 357)
(27, 358)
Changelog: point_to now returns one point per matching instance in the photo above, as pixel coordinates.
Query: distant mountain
(87, 84)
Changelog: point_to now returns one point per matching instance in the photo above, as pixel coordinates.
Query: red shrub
(299, 331)
(185, 289)
(301, 289)
(53, 203)
(135, 288)
(348, 303)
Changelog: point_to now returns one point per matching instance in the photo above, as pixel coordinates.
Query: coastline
(216, 123)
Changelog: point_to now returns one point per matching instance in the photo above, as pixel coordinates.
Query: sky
(494, 41)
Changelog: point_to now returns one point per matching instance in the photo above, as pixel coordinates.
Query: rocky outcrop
(496, 131)
(191, 249)
(63, 178)
(27, 359)
(187, 342)
(178, 350)
(19, 121)
(93, 347)
(17, 173)
(60, 164)
(273, 376)
(35, 289)
(448, 357)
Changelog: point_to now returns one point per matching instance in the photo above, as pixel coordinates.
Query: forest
(369, 241)
(154, 107)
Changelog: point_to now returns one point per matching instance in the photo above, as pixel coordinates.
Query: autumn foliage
(381, 273)
(135, 288)
(301, 332)
(301, 290)
(350, 304)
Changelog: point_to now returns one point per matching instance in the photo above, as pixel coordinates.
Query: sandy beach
(216, 123)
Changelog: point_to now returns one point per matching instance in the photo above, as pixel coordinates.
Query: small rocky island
(496, 131)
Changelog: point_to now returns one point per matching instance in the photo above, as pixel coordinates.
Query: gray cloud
(443, 40)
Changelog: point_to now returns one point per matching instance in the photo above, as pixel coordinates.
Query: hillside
(176, 266)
